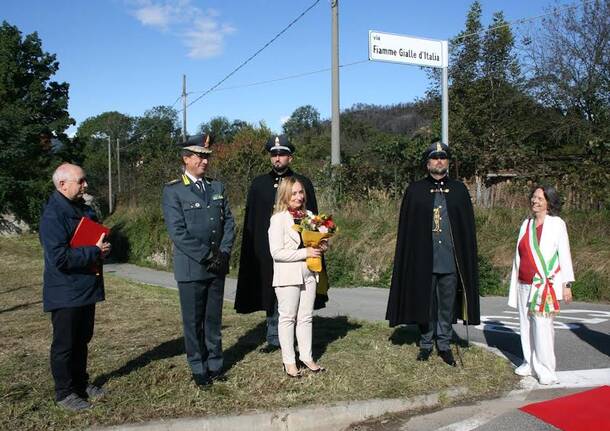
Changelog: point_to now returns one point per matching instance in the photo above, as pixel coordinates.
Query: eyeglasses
(79, 181)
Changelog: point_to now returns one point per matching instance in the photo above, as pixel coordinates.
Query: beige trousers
(295, 306)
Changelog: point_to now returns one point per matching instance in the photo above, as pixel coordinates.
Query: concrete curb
(315, 418)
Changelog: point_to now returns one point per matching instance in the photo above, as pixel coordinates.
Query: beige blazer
(288, 258)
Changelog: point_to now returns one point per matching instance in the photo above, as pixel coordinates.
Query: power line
(251, 84)
(521, 20)
(212, 88)
(176, 101)
(283, 78)
(313, 72)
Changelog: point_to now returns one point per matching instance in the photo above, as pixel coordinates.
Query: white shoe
(523, 370)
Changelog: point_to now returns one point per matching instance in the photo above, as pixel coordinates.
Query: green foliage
(304, 120)
(95, 133)
(239, 162)
(151, 156)
(223, 130)
(362, 252)
(148, 150)
(489, 279)
(33, 114)
(591, 286)
(139, 236)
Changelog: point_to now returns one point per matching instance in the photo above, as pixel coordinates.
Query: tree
(220, 127)
(237, 164)
(570, 61)
(465, 58)
(95, 133)
(305, 119)
(33, 111)
(491, 126)
(223, 130)
(151, 155)
(111, 124)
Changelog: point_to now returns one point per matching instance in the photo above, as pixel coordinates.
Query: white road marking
(470, 423)
(508, 322)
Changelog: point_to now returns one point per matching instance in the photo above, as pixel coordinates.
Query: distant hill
(399, 119)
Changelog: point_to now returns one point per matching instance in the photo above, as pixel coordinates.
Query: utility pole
(335, 152)
(183, 108)
(445, 98)
(118, 164)
(109, 176)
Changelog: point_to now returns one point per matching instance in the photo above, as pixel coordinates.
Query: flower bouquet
(314, 229)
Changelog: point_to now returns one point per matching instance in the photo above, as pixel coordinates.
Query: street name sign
(417, 51)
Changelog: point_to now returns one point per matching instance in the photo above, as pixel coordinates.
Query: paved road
(582, 349)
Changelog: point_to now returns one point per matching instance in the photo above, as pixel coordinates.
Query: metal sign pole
(445, 94)
(445, 106)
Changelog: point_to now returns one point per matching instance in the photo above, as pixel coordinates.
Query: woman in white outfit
(542, 276)
(294, 283)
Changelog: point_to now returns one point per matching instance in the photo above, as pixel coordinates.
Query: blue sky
(129, 55)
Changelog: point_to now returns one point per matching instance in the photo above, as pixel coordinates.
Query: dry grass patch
(137, 353)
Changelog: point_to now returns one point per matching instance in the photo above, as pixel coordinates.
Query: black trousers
(72, 331)
(440, 326)
(201, 305)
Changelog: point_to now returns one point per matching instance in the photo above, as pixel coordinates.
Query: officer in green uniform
(201, 226)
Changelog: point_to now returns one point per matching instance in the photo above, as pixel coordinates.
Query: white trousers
(537, 339)
(295, 305)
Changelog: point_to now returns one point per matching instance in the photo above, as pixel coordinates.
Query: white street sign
(407, 50)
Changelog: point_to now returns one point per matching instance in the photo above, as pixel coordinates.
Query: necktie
(200, 188)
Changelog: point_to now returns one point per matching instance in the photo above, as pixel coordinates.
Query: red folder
(87, 232)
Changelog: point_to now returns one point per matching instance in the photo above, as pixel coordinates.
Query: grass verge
(137, 353)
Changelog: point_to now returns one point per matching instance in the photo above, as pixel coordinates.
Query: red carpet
(585, 411)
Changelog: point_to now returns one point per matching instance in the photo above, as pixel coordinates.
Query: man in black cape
(254, 289)
(435, 279)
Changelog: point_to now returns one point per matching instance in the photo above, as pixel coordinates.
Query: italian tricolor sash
(542, 298)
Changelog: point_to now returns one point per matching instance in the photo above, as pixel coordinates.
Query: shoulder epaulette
(172, 182)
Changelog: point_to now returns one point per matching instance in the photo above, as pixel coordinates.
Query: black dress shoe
(424, 354)
(269, 348)
(217, 376)
(447, 357)
(202, 380)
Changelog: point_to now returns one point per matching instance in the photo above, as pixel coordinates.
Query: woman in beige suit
(294, 283)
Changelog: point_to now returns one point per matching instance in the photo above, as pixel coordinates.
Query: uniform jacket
(68, 279)
(196, 224)
(254, 284)
(288, 258)
(554, 239)
(409, 299)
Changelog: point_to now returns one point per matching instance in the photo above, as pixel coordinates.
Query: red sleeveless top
(527, 266)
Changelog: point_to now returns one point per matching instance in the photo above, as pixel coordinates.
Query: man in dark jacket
(201, 226)
(254, 289)
(71, 288)
(435, 278)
